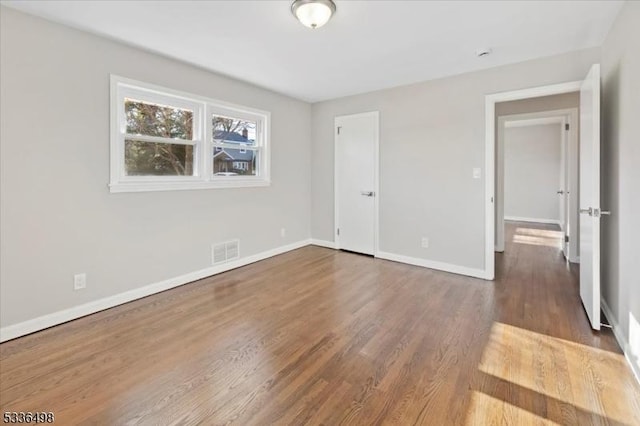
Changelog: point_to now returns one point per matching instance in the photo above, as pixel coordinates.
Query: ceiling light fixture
(313, 13)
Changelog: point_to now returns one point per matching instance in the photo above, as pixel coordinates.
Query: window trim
(203, 108)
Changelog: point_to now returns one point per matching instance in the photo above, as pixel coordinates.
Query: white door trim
(376, 179)
(490, 149)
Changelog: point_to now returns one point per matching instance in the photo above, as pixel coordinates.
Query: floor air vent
(225, 252)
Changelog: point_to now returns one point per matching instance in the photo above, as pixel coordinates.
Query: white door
(563, 184)
(590, 195)
(356, 147)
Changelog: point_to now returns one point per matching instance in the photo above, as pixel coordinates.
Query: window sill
(181, 186)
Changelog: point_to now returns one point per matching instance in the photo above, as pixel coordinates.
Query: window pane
(148, 119)
(233, 130)
(157, 159)
(234, 162)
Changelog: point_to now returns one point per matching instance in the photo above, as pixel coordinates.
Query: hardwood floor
(318, 336)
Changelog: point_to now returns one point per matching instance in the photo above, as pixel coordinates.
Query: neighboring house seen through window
(235, 149)
(163, 139)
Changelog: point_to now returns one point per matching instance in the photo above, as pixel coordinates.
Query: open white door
(590, 195)
(563, 184)
(356, 148)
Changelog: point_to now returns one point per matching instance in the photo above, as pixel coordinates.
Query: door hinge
(338, 231)
(566, 126)
(566, 238)
(338, 129)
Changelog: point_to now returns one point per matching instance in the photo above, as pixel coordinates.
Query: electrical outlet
(283, 232)
(79, 281)
(425, 242)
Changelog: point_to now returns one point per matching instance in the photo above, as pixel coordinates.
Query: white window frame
(203, 108)
(259, 145)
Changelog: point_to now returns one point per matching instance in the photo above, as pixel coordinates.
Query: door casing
(490, 153)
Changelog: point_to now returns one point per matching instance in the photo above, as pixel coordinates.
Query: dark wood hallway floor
(318, 336)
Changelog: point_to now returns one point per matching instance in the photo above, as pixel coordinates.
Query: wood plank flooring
(318, 336)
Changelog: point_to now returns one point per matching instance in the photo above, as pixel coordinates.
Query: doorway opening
(491, 156)
(537, 171)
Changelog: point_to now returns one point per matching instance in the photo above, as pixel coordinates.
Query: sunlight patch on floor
(487, 410)
(538, 237)
(567, 373)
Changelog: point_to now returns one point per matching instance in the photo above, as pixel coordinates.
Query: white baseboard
(622, 341)
(532, 219)
(323, 243)
(49, 320)
(440, 266)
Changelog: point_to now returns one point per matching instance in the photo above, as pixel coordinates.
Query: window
(158, 140)
(234, 141)
(162, 139)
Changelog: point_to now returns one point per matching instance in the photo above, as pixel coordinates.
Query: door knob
(605, 213)
(589, 211)
(367, 193)
(560, 192)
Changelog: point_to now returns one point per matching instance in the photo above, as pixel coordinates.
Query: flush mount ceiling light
(313, 13)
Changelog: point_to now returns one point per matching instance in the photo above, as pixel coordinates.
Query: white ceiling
(368, 45)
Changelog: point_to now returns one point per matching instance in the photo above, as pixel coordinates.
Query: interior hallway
(322, 336)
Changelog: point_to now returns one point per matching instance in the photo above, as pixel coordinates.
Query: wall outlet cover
(79, 281)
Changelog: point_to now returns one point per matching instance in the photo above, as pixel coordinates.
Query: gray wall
(432, 136)
(621, 174)
(57, 215)
(532, 161)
